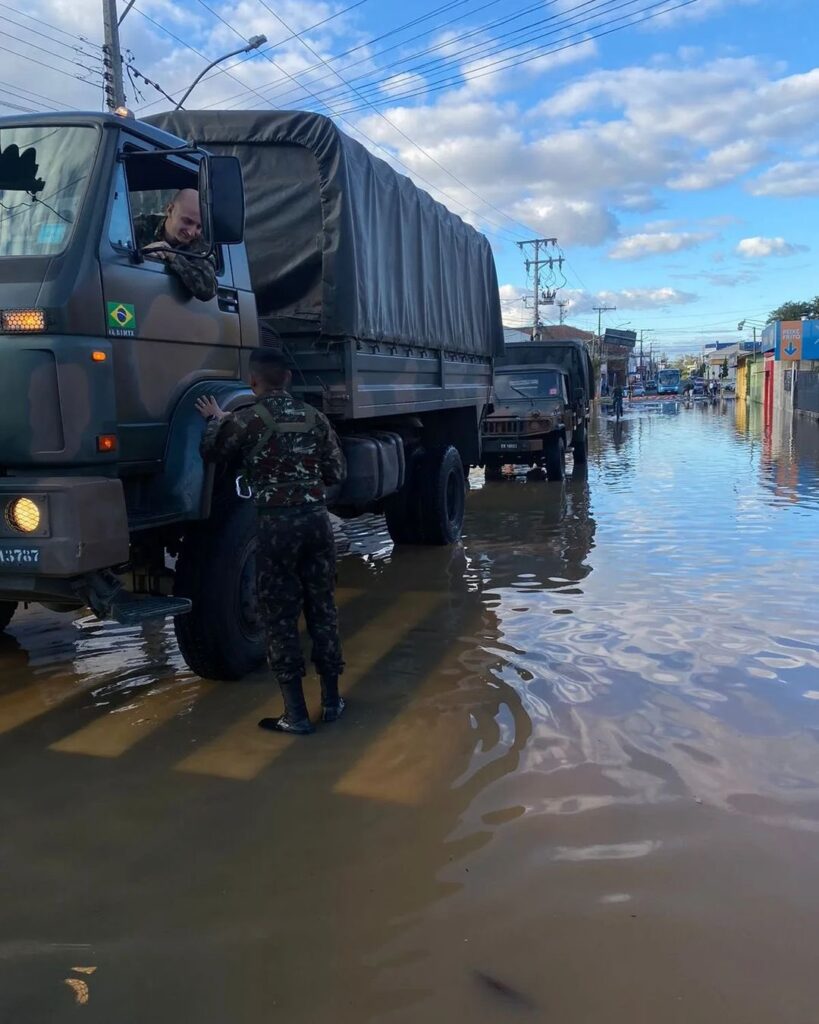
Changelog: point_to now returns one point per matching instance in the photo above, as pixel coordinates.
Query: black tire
(221, 637)
(7, 610)
(403, 510)
(580, 444)
(443, 496)
(556, 457)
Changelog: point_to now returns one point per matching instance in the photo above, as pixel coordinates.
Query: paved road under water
(578, 781)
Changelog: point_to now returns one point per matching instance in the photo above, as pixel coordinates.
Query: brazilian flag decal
(121, 319)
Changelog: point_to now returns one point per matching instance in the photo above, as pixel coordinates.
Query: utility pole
(536, 263)
(562, 307)
(600, 310)
(112, 57)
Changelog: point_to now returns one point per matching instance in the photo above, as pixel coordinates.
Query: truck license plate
(15, 556)
(508, 446)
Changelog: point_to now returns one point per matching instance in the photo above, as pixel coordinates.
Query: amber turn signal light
(99, 357)
(22, 321)
(107, 443)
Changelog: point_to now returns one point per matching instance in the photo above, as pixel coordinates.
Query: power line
(458, 58)
(345, 53)
(26, 93)
(193, 49)
(57, 56)
(49, 24)
(228, 67)
(537, 52)
(51, 39)
(401, 132)
(42, 64)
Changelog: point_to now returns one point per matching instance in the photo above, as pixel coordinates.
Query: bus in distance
(668, 382)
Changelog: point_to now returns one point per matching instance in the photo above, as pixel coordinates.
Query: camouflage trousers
(295, 572)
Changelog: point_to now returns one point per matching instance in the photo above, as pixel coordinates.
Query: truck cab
(541, 408)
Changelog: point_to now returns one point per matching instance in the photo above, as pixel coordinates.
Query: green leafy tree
(723, 370)
(795, 310)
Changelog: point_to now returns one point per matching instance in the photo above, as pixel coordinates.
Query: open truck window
(44, 174)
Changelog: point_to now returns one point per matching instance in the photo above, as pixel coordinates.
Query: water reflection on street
(579, 779)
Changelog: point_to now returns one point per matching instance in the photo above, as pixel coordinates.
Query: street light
(253, 44)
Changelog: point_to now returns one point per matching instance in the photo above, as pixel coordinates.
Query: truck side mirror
(222, 200)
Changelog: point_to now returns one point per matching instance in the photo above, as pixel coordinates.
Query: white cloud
(788, 179)
(760, 248)
(721, 165)
(635, 247)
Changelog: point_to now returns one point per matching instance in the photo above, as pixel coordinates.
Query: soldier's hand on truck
(209, 408)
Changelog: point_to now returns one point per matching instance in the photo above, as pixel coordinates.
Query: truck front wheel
(7, 610)
(556, 457)
(580, 442)
(222, 636)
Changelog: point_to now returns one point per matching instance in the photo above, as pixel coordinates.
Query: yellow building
(743, 364)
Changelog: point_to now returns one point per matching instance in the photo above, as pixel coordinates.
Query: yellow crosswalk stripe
(22, 706)
(116, 732)
(408, 760)
(244, 750)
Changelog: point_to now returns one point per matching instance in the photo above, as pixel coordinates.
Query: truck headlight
(23, 515)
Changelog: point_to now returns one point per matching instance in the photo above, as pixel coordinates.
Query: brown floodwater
(578, 779)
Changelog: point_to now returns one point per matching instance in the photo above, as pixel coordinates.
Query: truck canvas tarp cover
(341, 244)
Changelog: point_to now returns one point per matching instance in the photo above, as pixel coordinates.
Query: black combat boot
(332, 705)
(295, 718)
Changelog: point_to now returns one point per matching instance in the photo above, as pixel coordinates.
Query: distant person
(290, 455)
(617, 400)
(179, 230)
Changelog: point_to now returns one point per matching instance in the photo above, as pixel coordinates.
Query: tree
(723, 370)
(795, 310)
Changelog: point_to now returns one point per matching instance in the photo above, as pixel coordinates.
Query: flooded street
(578, 779)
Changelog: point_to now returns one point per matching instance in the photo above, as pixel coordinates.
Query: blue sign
(794, 339)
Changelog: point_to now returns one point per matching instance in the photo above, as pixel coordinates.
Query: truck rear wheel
(222, 636)
(443, 496)
(556, 457)
(429, 509)
(580, 443)
(7, 610)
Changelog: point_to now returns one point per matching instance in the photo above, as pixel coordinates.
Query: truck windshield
(44, 173)
(529, 384)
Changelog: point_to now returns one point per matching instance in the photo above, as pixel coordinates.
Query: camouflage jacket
(287, 451)
(198, 276)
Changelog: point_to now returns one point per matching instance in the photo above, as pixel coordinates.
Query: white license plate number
(508, 446)
(12, 556)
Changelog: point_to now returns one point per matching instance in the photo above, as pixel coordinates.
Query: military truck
(542, 403)
(385, 302)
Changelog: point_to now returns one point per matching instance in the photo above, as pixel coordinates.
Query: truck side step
(130, 610)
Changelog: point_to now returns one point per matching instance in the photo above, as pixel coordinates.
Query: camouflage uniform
(289, 453)
(198, 276)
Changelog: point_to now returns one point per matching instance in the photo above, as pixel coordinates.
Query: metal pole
(114, 88)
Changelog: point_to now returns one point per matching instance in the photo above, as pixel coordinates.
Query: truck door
(163, 340)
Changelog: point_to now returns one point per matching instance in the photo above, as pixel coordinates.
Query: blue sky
(676, 160)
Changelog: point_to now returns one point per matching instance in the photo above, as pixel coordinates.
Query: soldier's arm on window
(197, 275)
(333, 464)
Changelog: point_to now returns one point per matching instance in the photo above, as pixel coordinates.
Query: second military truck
(386, 303)
(542, 403)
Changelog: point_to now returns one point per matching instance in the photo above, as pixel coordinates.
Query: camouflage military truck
(385, 302)
(541, 408)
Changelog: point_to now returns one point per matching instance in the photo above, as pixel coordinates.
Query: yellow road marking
(116, 732)
(244, 750)
(413, 754)
(22, 706)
